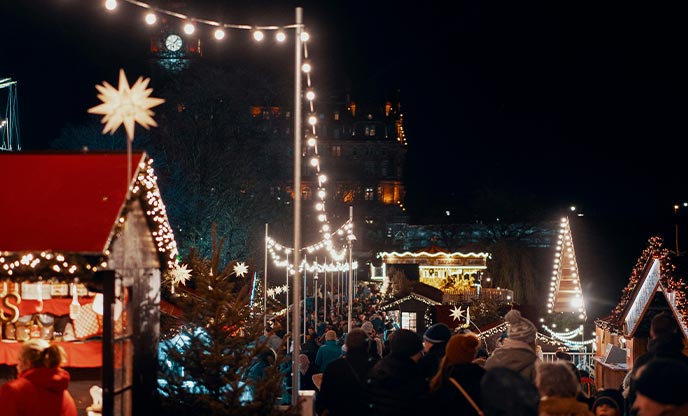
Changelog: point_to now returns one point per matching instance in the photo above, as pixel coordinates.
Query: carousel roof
(65, 202)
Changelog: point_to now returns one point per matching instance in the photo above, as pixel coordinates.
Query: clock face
(173, 42)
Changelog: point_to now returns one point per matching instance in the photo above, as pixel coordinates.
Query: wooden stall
(657, 283)
(414, 309)
(84, 240)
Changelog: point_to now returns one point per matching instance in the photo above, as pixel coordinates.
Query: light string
(189, 28)
(565, 257)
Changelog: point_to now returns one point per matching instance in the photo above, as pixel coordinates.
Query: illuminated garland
(146, 188)
(48, 263)
(667, 279)
(189, 27)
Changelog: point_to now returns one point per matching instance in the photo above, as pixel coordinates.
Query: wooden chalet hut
(414, 308)
(84, 240)
(657, 283)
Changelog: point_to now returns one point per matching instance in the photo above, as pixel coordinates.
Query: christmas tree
(214, 359)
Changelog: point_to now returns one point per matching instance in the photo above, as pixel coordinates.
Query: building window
(370, 130)
(336, 151)
(408, 320)
(369, 194)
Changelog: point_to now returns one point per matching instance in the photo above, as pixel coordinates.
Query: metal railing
(582, 360)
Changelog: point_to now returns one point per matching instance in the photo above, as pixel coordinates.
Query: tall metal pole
(315, 297)
(265, 282)
(676, 219)
(287, 285)
(305, 296)
(351, 273)
(297, 207)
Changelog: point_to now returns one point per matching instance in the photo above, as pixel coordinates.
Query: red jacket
(38, 392)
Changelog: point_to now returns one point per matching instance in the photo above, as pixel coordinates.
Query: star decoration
(240, 269)
(457, 313)
(180, 274)
(126, 105)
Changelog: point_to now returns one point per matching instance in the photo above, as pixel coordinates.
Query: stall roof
(65, 202)
(658, 270)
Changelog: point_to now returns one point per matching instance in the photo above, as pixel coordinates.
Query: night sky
(575, 103)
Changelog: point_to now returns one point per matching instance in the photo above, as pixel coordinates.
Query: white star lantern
(126, 105)
(240, 269)
(457, 315)
(180, 274)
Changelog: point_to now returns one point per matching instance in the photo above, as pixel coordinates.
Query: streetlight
(297, 207)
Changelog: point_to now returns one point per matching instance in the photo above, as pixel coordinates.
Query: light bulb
(151, 18)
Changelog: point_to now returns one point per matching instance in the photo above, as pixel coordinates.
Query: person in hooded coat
(518, 351)
(457, 366)
(395, 385)
(41, 385)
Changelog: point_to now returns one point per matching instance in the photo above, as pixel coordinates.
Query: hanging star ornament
(180, 275)
(126, 105)
(240, 269)
(457, 313)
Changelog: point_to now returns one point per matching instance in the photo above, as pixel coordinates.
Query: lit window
(369, 194)
(408, 320)
(336, 151)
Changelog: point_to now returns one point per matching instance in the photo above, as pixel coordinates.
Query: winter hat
(461, 349)
(664, 381)
(405, 343)
(437, 333)
(367, 327)
(520, 328)
(610, 397)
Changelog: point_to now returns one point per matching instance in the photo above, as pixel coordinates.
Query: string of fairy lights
(278, 251)
(565, 257)
(49, 263)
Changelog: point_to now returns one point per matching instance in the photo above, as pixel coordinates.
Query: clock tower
(172, 49)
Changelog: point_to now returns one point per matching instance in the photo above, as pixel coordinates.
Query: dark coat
(430, 362)
(342, 391)
(448, 396)
(396, 387)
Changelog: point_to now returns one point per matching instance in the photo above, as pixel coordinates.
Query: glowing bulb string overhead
(189, 25)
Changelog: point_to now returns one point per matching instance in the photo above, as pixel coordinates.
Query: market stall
(83, 247)
(657, 283)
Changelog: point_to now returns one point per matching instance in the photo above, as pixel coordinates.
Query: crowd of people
(379, 369)
(449, 372)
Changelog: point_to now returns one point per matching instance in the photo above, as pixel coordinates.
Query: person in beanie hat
(458, 365)
(608, 402)
(518, 351)
(661, 387)
(434, 342)
(395, 384)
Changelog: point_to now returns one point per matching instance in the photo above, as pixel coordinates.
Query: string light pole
(297, 206)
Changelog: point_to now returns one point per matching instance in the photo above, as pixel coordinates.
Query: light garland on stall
(49, 263)
(146, 187)
(189, 27)
(668, 279)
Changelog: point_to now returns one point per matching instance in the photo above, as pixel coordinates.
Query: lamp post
(295, 336)
(676, 227)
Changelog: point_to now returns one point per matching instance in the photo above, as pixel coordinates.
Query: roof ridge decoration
(645, 271)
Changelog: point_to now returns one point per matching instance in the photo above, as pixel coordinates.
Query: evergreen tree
(214, 359)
